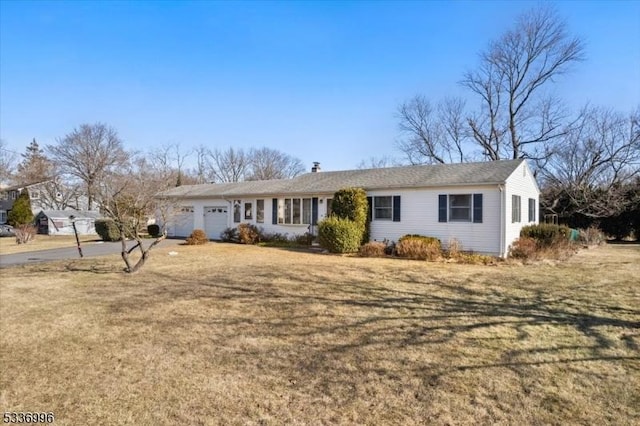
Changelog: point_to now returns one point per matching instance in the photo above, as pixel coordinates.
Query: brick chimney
(316, 167)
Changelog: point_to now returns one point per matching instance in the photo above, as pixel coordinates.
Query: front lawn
(231, 334)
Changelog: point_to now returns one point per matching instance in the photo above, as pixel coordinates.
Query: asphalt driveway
(91, 249)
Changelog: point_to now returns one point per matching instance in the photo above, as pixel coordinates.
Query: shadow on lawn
(361, 319)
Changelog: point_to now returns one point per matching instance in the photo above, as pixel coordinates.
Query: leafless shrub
(24, 233)
(592, 236)
(197, 237)
(373, 249)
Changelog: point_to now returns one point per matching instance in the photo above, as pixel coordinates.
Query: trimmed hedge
(419, 247)
(154, 230)
(351, 203)
(339, 235)
(107, 230)
(546, 234)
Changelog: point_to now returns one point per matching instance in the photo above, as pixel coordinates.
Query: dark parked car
(6, 231)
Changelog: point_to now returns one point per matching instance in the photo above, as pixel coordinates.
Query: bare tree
(510, 82)
(89, 153)
(267, 163)
(58, 194)
(7, 162)
(591, 170)
(378, 163)
(433, 135)
(230, 165)
(169, 160)
(129, 197)
(202, 153)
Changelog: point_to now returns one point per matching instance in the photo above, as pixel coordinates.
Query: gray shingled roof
(489, 172)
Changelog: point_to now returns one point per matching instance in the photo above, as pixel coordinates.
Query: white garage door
(183, 222)
(215, 221)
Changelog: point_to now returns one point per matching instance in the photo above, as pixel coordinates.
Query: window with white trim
(383, 208)
(516, 215)
(3, 216)
(237, 208)
(294, 211)
(260, 211)
(248, 211)
(532, 209)
(460, 208)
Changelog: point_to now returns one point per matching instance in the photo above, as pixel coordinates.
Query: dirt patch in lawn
(230, 334)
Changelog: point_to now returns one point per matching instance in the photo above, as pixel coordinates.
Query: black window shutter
(314, 211)
(369, 207)
(477, 208)
(274, 211)
(396, 208)
(442, 208)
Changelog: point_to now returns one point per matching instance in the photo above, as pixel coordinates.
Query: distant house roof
(64, 214)
(24, 185)
(490, 172)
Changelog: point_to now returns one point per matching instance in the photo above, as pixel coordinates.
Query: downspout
(502, 220)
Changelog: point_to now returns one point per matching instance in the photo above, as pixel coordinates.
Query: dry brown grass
(235, 334)
(8, 245)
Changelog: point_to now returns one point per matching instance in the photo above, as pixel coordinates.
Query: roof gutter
(503, 220)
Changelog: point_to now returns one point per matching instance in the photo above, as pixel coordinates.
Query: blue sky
(318, 80)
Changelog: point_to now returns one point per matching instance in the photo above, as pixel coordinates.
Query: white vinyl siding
(420, 216)
(520, 183)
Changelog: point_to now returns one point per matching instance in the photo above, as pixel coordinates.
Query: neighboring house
(482, 205)
(60, 222)
(9, 194)
(44, 195)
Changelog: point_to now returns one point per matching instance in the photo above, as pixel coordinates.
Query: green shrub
(373, 249)
(339, 235)
(107, 230)
(523, 248)
(154, 230)
(230, 235)
(546, 234)
(197, 237)
(419, 247)
(248, 234)
(20, 213)
(351, 203)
